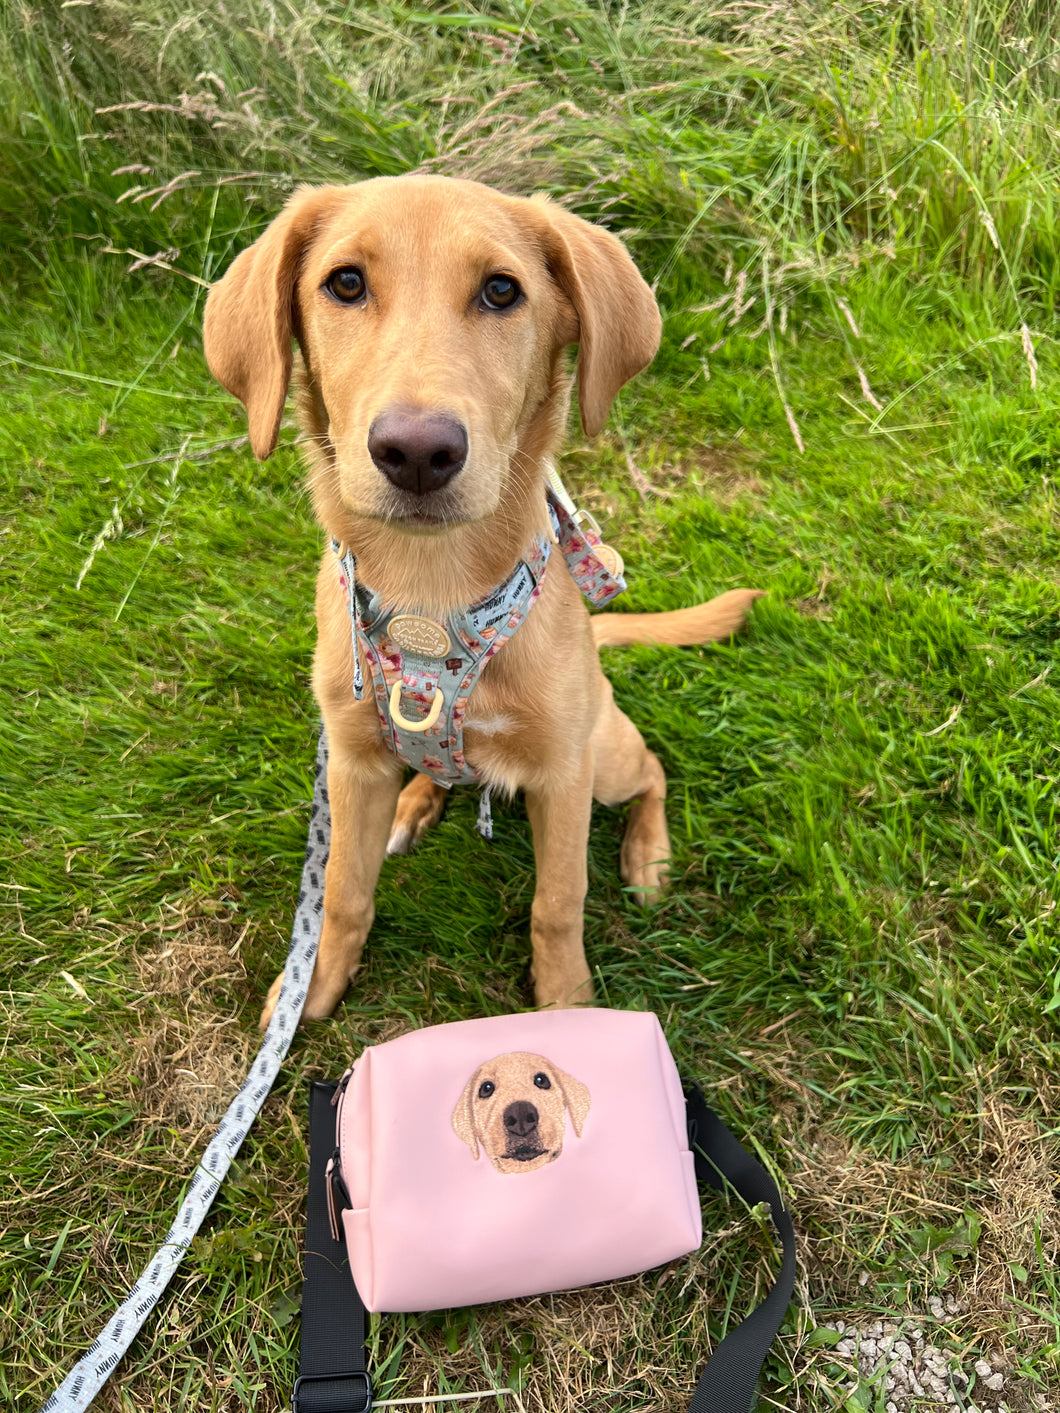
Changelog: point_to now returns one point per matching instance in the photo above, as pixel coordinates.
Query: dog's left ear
(618, 320)
(575, 1096)
(248, 324)
(463, 1117)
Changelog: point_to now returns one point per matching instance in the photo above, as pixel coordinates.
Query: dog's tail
(683, 628)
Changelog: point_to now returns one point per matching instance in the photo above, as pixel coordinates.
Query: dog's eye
(500, 292)
(346, 284)
(486, 1088)
(542, 1081)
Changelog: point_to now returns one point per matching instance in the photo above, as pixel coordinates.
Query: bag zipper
(338, 1194)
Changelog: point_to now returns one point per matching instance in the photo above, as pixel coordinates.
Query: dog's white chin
(425, 523)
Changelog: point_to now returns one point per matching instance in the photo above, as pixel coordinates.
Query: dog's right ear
(249, 316)
(463, 1117)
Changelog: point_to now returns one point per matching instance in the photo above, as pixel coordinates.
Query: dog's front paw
(562, 987)
(325, 993)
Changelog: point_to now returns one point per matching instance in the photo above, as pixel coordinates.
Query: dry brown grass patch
(643, 1340)
(868, 1207)
(1022, 1210)
(190, 1056)
(189, 1071)
(723, 476)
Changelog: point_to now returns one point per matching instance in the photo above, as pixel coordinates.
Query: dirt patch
(814, 608)
(720, 476)
(723, 477)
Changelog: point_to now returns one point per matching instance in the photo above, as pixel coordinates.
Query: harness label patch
(418, 635)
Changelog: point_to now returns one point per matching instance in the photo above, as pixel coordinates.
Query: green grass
(860, 952)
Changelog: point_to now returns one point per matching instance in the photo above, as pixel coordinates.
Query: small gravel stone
(912, 1370)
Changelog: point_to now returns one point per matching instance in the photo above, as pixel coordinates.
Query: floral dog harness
(423, 671)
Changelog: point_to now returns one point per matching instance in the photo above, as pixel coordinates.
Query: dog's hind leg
(627, 770)
(419, 807)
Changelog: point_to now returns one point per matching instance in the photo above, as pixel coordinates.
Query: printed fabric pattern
(579, 544)
(475, 634)
(447, 658)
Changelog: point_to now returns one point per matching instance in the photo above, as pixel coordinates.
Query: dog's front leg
(559, 818)
(362, 792)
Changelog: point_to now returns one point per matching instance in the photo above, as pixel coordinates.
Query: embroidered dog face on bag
(515, 1107)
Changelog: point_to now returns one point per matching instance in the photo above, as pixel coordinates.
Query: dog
(433, 317)
(514, 1107)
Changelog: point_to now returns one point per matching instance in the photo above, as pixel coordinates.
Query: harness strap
(423, 671)
(595, 567)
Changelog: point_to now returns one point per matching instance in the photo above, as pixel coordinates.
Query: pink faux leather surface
(432, 1226)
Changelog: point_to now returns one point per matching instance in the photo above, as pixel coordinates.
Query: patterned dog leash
(93, 1369)
(597, 569)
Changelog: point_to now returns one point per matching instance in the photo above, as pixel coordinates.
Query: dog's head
(431, 314)
(515, 1106)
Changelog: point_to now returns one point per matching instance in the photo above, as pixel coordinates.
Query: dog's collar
(423, 670)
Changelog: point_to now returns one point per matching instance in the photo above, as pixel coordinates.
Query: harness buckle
(584, 520)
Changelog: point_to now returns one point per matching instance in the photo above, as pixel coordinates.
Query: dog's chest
(498, 723)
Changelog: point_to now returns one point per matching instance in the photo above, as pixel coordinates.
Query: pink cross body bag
(512, 1156)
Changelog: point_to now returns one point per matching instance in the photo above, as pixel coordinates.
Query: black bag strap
(334, 1369)
(728, 1383)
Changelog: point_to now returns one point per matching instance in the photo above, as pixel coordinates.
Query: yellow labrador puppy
(432, 317)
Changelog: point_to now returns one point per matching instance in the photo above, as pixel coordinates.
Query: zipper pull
(340, 1088)
(333, 1214)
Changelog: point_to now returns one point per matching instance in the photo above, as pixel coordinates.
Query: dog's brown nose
(520, 1119)
(418, 451)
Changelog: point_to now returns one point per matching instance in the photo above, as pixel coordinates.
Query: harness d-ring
(403, 721)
